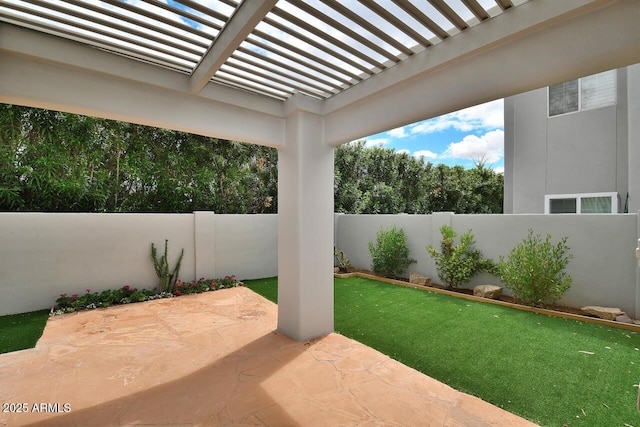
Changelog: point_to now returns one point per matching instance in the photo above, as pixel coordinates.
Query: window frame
(579, 196)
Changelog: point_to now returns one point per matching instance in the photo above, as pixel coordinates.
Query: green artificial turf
(21, 331)
(552, 371)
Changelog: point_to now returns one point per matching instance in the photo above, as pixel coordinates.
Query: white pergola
(303, 76)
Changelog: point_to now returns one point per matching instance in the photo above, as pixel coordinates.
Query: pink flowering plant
(68, 303)
(202, 285)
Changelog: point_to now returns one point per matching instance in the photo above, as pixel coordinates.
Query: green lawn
(21, 331)
(551, 371)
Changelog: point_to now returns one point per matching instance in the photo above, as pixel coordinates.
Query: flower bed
(127, 294)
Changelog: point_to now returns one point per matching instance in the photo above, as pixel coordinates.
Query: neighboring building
(575, 146)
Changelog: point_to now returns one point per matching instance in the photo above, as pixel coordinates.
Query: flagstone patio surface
(216, 359)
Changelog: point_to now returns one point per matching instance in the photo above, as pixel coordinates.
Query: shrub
(457, 264)
(534, 270)
(343, 262)
(390, 253)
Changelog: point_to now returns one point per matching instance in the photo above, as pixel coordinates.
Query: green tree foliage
(380, 181)
(56, 162)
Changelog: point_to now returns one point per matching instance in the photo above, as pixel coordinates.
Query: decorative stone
(623, 318)
(419, 279)
(336, 270)
(607, 313)
(487, 291)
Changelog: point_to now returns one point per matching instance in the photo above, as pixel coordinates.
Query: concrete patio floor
(216, 359)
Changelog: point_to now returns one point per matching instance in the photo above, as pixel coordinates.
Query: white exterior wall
(588, 151)
(43, 255)
(603, 268)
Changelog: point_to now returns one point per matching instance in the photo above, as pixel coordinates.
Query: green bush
(390, 253)
(457, 264)
(534, 270)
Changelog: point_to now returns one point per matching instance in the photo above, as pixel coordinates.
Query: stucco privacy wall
(246, 246)
(44, 254)
(603, 268)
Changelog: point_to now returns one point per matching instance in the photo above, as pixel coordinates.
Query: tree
(379, 180)
(56, 162)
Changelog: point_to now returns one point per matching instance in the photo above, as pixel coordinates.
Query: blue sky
(460, 138)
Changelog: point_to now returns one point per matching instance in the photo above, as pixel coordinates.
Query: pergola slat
(304, 53)
(318, 46)
(112, 24)
(184, 14)
(179, 25)
(204, 10)
(416, 14)
(268, 82)
(101, 44)
(395, 21)
(242, 83)
(304, 63)
(344, 29)
(477, 10)
(367, 26)
(278, 72)
(267, 77)
(449, 13)
(504, 4)
(95, 30)
(313, 30)
(280, 64)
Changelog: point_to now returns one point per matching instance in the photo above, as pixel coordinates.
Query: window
(587, 93)
(585, 203)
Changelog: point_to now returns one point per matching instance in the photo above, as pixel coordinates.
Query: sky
(461, 138)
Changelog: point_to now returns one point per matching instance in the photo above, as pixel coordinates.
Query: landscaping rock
(336, 270)
(608, 313)
(623, 318)
(419, 279)
(487, 291)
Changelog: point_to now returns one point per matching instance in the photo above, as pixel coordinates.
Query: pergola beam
(44, 71)
(596, 35)
(240, 25)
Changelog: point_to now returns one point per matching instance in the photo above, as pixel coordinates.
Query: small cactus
(167, 278)
(343, 263)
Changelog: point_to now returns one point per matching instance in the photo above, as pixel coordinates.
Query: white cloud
(397, 133)
(499, 169)
(488, 148)
(402, 152)
(376, 142)
(426, 154)
(484, 116)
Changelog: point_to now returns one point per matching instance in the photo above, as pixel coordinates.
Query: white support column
(305, 228)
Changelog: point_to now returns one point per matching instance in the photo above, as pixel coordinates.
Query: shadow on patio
(215, 359)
